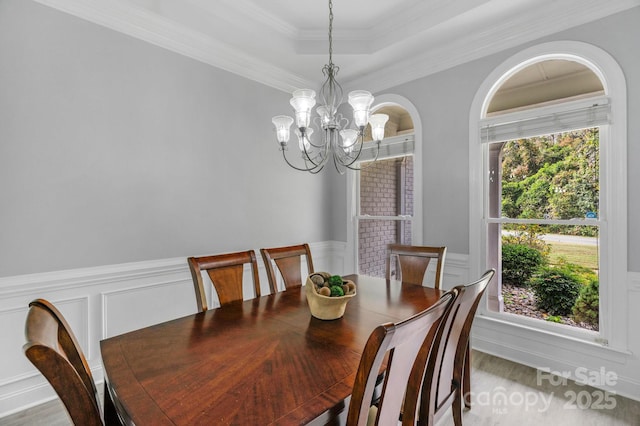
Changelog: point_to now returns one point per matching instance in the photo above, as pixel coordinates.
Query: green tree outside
(553, 176)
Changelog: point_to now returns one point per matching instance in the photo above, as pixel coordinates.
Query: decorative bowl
(327, 307)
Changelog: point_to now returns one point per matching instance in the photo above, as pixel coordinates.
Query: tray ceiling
(377, 43)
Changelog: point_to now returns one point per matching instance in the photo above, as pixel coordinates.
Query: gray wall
(113, 150)
(443, 101)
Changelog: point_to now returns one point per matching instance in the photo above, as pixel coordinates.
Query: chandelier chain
(330, 32)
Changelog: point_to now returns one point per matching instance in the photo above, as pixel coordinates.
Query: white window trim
(557, 118)
(353, 184)
(613, 181)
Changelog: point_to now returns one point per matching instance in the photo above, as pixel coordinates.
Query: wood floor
(504, 394)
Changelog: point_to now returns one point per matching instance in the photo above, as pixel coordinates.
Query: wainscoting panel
(12, 339)
(79, 294)
(102, 302)
(138, 307)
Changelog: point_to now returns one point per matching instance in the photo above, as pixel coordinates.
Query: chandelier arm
(314, 145)
(336, 161)
(318, 126)
(307, 158)
(321, 146)
(310, 170)
(349, 160)
(317, 169)
(320, 158)
(343, 157)
(369, 163)
(343, 122)
(318, 161)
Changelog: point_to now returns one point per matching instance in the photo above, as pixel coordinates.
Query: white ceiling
(376, 43)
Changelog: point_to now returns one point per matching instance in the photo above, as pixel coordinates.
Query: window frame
(353, 184)
(359, 217)
(613, 189)
(495, 219)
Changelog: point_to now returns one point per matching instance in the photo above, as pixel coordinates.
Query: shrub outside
(556, 290)
(519, 262)
(587, 306)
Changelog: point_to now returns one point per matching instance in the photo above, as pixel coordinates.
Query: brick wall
(379, 196)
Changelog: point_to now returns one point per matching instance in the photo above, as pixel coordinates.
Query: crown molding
(142, 24)
(478, 44)
(442, 45)
(245, 14)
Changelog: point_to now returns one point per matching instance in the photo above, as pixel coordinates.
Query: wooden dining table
(259, 362)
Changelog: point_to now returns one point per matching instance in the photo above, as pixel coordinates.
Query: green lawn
(580, 254)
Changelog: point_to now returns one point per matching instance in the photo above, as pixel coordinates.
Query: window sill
(529, 329)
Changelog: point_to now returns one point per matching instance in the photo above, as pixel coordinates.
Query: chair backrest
(226, 272)
(54, 350)
(442, 385)
(413, 262)
(402, 341)
(288, 260)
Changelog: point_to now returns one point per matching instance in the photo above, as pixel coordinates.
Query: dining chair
(399, 343)
(53, 349)
(413, 261)
(288, 261)
(226, 272)
(443, 370)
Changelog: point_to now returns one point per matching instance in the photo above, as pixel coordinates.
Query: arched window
(385, 198)
(548, 165)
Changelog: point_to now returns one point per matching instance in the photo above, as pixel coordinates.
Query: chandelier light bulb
(303, 141)
(303, 101)
(377, 122)
(360, 101)
(323, 112)
(349, 137)
(282, 124)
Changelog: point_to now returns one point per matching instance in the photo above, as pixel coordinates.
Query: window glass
(386, 207)
(544, 202)
(374, 236)
(553, 176)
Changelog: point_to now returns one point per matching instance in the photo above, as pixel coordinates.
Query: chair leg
(466, 379)
(109, 409)
(456, 408)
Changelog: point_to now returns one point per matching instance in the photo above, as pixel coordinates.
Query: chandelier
(333, 136)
